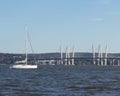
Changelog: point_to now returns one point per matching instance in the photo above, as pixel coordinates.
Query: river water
(60, 81)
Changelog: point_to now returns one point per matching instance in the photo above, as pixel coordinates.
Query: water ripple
(60, 81)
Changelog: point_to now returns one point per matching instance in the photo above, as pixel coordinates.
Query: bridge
(79, 61)
(71, 58)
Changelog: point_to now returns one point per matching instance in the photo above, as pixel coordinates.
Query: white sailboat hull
(24, 63)
(22, 66)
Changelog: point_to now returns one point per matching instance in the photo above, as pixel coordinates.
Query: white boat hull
(22, 66)
(24, 63)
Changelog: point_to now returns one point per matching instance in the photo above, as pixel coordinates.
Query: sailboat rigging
(24, 63)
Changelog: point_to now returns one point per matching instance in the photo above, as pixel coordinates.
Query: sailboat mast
(26, 46)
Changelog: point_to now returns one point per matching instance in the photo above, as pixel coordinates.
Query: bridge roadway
(80, 58)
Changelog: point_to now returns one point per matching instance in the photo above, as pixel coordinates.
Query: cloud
(97, 19)
(106, 2)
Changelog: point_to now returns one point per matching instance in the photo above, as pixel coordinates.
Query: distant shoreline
(10, 58)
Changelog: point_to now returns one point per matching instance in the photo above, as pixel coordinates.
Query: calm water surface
(60, 81)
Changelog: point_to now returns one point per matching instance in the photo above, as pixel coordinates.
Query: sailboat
(24, 63)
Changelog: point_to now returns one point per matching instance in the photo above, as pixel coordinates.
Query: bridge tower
(106, 55)
(98, 59)
(61, 56)
(73, 56)
(101, 56)
(93, 52)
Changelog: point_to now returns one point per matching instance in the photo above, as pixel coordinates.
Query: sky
(55, 23)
